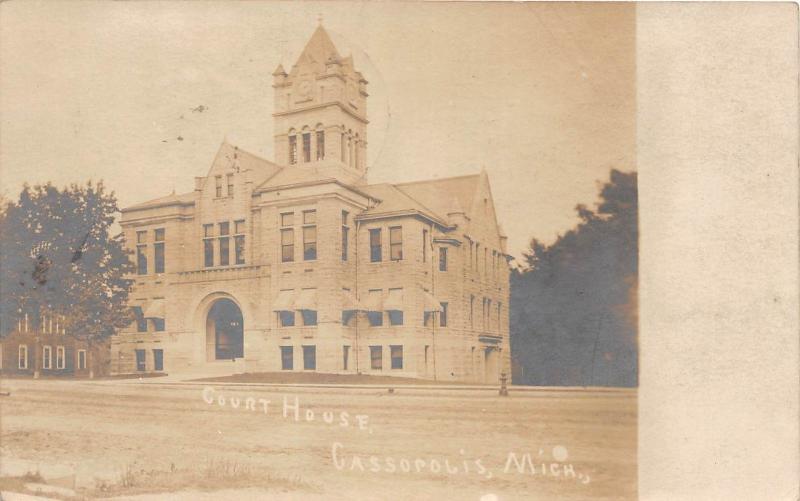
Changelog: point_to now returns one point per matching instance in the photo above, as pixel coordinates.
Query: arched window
(320, 142)
(306, 144)
(292, 147)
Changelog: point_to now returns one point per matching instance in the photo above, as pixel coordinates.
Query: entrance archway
(225, 330)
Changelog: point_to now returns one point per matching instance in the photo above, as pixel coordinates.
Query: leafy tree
(57, 257)
(574, 308)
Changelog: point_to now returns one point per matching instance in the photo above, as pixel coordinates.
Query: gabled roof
(173, 199)
(443, 196)
(232, 156)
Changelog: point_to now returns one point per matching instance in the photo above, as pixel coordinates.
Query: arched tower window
(320, 133)
(292, 147)
(306, 145)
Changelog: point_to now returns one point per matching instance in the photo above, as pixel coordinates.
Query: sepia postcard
(391, 251)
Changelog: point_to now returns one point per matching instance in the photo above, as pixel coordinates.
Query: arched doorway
(225, 329)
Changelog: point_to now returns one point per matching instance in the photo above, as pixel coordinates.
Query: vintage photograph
(340, 250)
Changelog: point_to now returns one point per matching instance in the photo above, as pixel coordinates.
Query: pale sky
(541, 95)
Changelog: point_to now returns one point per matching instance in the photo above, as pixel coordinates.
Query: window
(443, 316)
(309, 358)
(343, 150)
(141, 360)
(376, 357)
(158, 247)
(345, 235)
(224, 251)
(309, 317)
(375, 245)
(345, 356)
(292, 150)
(472, 312)
(23, 357)
(424, 246)
(287, 358)
(158, 359)
(287, 245)
(499, 310)
(287, 219)
(396, 243)
(443, 259)
(158, 324)
(229, 178)
(395, 317)
(320, 145)
(309, 235)
(81, 359)
(218, 186)
(375, 317)
(60, 358)
(208, 252)
(47, 357)
(286, 318)
(141, 237)
(306, 147)
(141, 322)
(397, 356)
(488, 315)
(141, 259)
(238, 241)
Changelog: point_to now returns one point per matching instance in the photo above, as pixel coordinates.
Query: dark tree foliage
(56, 256)
(574, 303)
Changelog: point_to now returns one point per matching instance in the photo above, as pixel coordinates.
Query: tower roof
(319, 48)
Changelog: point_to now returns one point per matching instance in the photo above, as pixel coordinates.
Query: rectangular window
(60, 357)
(443, 259)
(141, 260)
(499, 311)
(375, 245)
(141, 237)
(395, 317)
(345, 356)
(320, 145)
(238, 242)
(287, 245)
(81, 359)
(309, 217)
(376, 357)
(443, 316)
(472, 312)
(159, 234)
(23, 357)
(287, 219)
(292, 150)
(309, 243)
(309, 317)
(158, 249)
(224, 251)
(224, 228)
(208, 252)
(424, 246)
(230, 184)
(218, 186)
(309, 358)
(286, 318)
(342, 148)
(238, 226)
(47, 357)
(306, 147)
(158, 359)
(287, 358)
(345, 237)
(397, 356)
(208, 230)
(158, 324)
(396, 243)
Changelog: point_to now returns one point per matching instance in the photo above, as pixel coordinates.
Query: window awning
(395, 300)
(306, 300)
(375, 301)
(431, 303)
(155, 309)
(284, 301)
(350, 303)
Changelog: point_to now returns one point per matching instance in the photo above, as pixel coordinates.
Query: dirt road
(118, 438)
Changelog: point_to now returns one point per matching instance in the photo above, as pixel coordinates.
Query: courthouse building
(301, 265)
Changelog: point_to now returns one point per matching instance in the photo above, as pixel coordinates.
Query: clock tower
(321, 113)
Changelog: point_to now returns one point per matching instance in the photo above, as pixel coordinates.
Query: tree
(57, 258)
(574, 308)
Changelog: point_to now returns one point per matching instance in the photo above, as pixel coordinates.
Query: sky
(541, 95)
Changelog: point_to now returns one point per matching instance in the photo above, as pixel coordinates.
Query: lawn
(178, 441)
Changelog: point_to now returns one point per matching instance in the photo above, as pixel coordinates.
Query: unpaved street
(123, 438)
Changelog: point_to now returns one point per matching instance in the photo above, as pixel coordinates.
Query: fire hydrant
(503, 386)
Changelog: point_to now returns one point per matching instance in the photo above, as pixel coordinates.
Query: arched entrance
(225, 330)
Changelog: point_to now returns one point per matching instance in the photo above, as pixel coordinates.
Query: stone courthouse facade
(301, 265)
